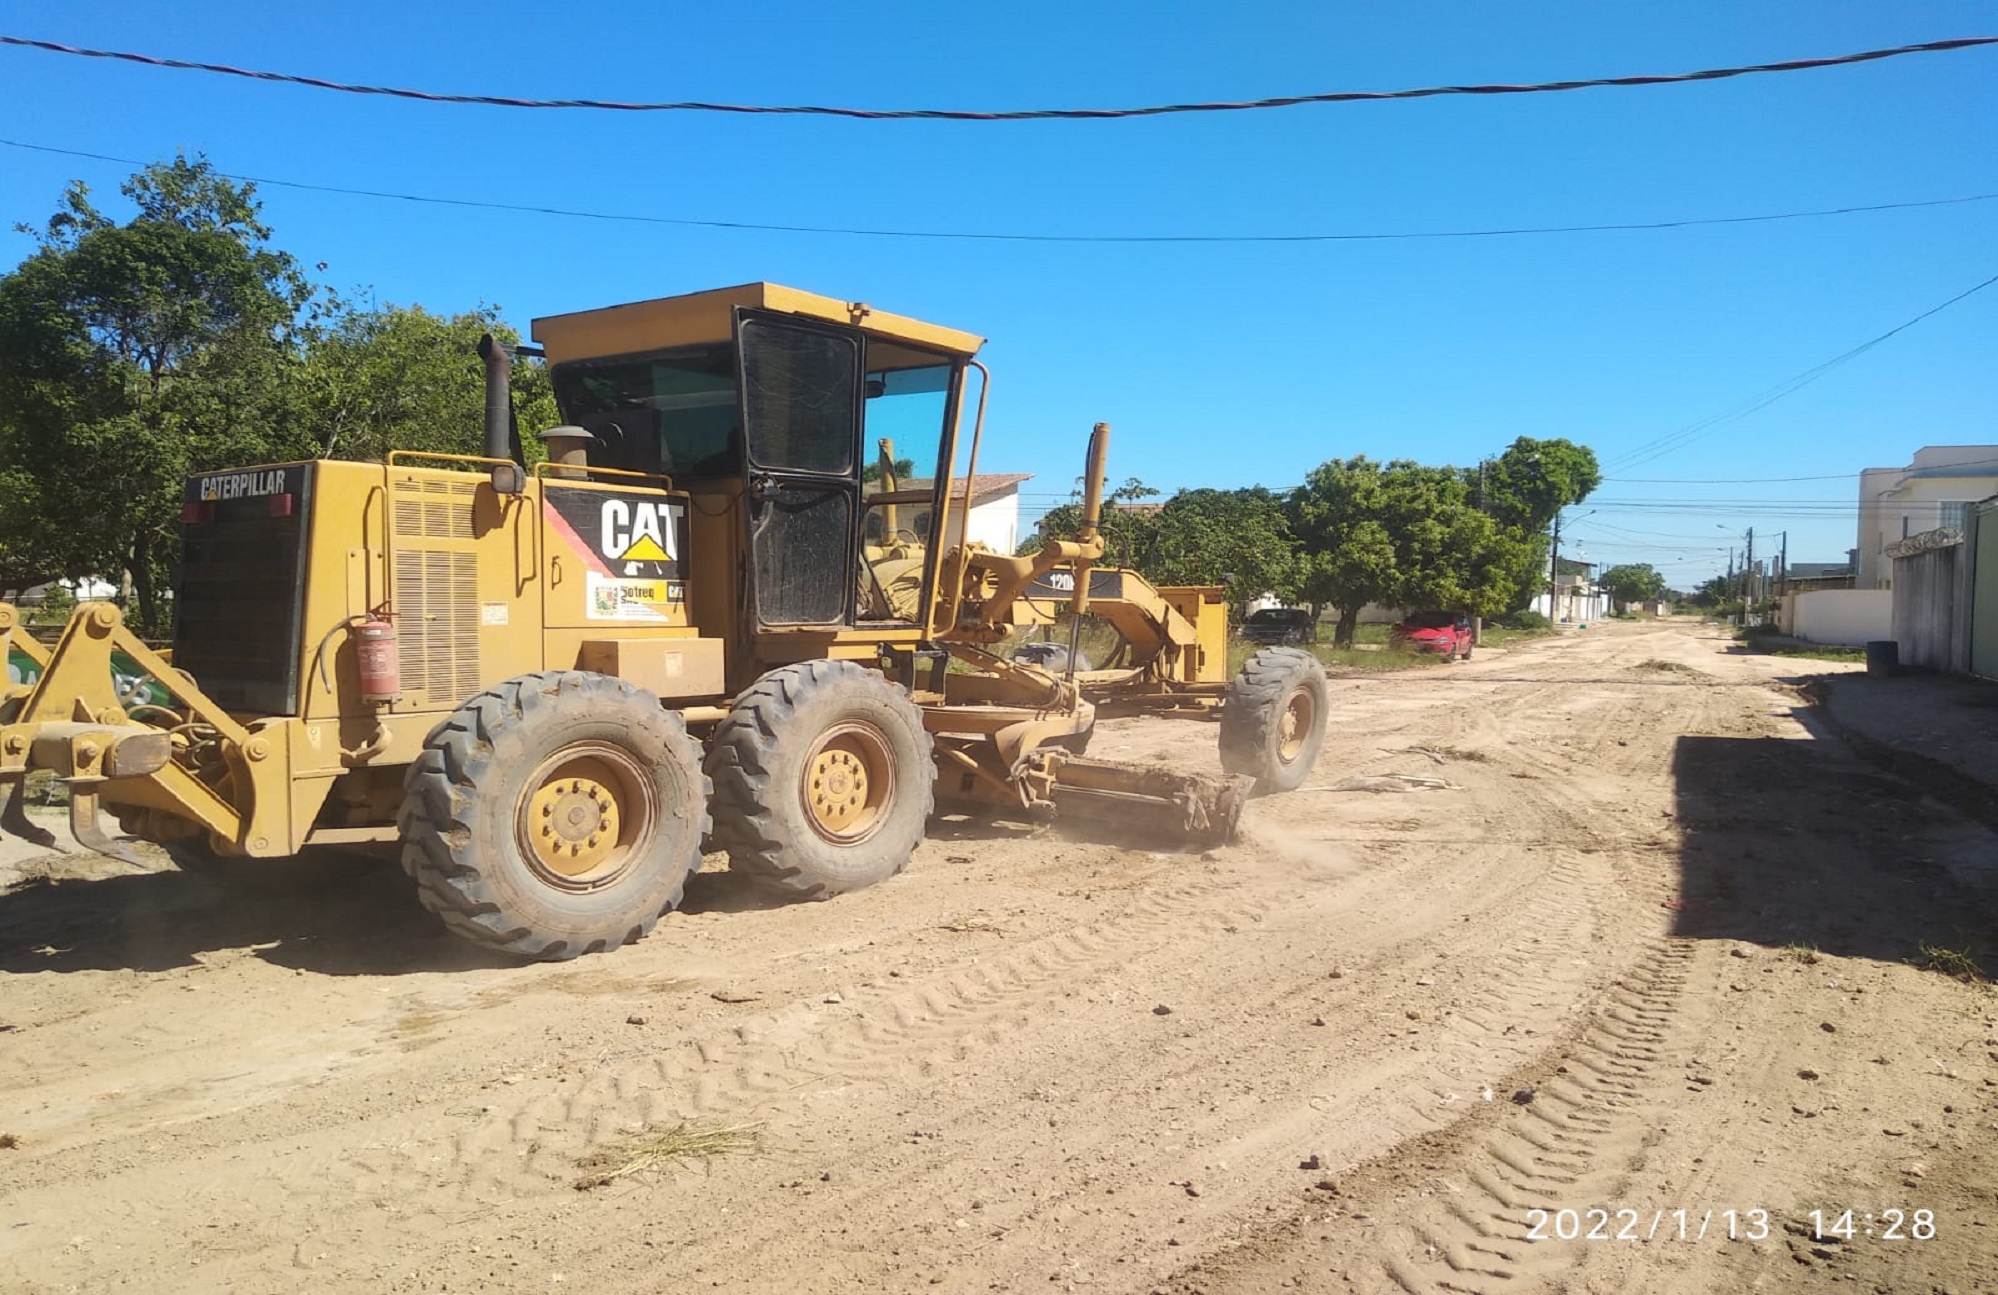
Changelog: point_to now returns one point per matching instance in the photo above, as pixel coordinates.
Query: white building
(1578, 601)
(1933, 491)
(994, 517)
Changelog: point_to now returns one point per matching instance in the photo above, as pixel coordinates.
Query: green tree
(1127, 526)
(1402, 534)
(1342, 518)
(1236, 537)
(1533, 480)
(131, 355)
(381, 378)
(1633, 582)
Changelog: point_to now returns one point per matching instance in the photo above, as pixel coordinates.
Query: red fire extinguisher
(381, 665)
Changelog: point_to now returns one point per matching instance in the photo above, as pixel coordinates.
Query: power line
(1687, 435)
(577, 214)
(1756, 481)
(1031, 114)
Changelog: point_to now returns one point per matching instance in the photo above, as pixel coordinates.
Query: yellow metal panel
(710, 317)
(1207, 607)
(668, 668)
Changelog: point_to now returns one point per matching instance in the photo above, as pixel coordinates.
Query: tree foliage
(130, 355)
(380, 378)
(1402, 534)
(1533, 480)
(1634, 582)
(1126, 524)
(181, 340)
(1240, 538)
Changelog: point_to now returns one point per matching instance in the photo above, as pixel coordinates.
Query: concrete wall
(1932, 598)
(1843, 616)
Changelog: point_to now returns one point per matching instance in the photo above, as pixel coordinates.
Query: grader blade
(1150, 801)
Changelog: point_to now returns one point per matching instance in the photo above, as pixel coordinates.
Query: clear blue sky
(1220, 365)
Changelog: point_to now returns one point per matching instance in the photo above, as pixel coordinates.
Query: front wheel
(555, 815)
(823, 779)
(1273, 720)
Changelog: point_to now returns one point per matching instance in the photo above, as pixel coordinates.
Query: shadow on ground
(369, 924)
(1797, 842)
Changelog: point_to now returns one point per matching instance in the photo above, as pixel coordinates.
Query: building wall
(1578, 604)
(1933, 490)
(994, 521)
(1931, 596)
(1843, 616)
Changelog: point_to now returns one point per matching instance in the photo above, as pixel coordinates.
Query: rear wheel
(1273, 721)
(823, 779)
(555, 815)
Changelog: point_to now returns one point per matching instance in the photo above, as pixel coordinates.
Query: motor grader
(708, 619)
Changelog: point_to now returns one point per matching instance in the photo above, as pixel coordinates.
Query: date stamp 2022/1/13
(1605, 1223)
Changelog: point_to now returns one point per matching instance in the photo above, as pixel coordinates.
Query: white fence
(1841, 616)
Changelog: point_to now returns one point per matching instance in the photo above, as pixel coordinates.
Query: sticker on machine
(621, 598)
(636, 534)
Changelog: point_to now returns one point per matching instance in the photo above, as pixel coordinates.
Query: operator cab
(832, 424)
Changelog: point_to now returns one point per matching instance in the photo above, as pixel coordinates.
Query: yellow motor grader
(708, 620)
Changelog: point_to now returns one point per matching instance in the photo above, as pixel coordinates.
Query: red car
(1448, 634)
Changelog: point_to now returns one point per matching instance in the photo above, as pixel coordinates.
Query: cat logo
(639, 530)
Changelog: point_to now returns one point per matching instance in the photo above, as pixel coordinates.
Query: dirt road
(1646, 952)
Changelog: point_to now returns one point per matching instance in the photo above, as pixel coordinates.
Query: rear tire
(555, 815)
(1273, 721)
(823, 780)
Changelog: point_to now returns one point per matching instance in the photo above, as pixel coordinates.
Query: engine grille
(436, 590)
(241, 592)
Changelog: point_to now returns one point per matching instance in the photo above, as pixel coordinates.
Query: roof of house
(987, 484)
(1818, 570)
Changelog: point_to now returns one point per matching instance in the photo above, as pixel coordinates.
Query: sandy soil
(1647, 952)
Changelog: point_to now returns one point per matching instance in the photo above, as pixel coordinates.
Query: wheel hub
(1294, 726)
(849, 780)
(574, 822)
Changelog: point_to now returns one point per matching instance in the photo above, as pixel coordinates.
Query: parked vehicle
(1280, 625)
(1448, 634)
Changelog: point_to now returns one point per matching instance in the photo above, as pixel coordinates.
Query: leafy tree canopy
(1240, 538)
(1525, 486)
(130, 355)
(380, 378)
(1634, 582)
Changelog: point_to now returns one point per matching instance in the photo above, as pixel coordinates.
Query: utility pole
(1554, 574)
(1748, 582)
(1478, 622)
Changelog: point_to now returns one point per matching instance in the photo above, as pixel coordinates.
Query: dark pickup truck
(1280, 625)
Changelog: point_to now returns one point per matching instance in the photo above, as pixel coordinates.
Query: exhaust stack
(499, 398)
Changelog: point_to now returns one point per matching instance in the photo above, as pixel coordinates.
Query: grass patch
(1765, 640)
(1957, 964)
(9, 1142)
(659, 1147)
(1368, 658)
(1498, 636)
(1803, 953)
